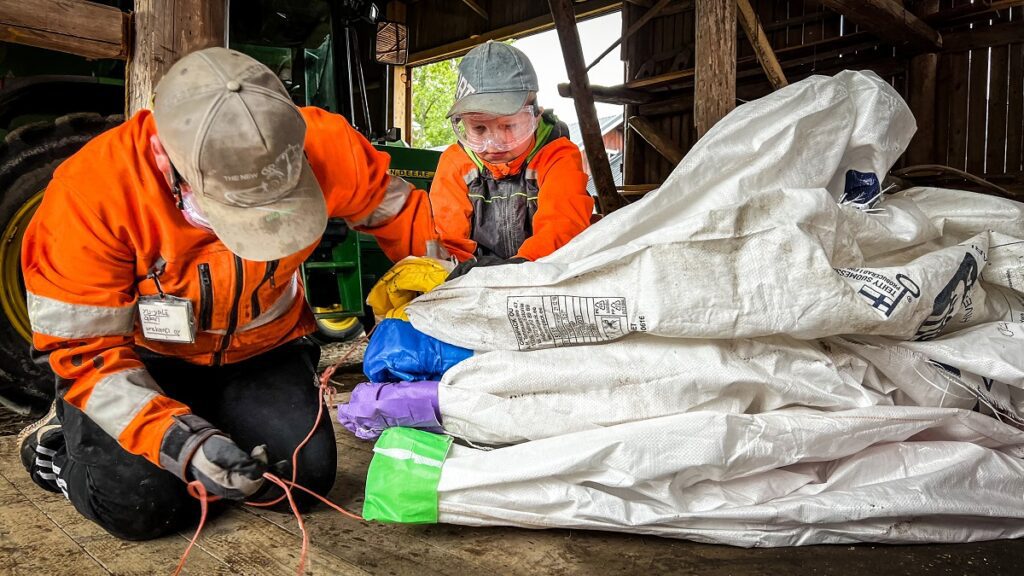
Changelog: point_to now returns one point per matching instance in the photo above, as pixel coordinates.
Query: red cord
(198, 491)
(324, 500)
(298, 517)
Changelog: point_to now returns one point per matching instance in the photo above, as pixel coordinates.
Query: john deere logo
(412, 173)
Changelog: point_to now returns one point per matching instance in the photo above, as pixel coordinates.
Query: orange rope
(198, 491)
(298, 517)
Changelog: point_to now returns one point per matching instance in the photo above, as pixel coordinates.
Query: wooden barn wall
(980, 107)
(799, 31)
(436, 22)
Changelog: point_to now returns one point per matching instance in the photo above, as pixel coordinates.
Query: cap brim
(497, 103)
(271, 231)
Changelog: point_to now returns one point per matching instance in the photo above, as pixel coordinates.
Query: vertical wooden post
(401, 82)
(164, 31)
(922, 79)
(715, 72)
(600, 170)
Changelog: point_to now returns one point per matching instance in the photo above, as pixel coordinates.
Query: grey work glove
(474, 262)
(192, 449)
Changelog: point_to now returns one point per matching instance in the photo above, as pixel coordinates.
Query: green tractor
(40, 126)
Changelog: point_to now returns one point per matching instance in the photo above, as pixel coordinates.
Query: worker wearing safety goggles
(513, 188)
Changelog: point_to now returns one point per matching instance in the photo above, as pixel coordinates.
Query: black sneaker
(39, 442)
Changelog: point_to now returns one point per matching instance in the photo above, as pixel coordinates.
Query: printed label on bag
(883, 293)
(556, 321)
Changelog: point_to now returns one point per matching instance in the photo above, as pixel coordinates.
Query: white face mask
(192, 213)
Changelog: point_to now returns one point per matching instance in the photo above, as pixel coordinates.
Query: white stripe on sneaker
(44, 450)
(56, 469)
(44, 463)
(46, 475)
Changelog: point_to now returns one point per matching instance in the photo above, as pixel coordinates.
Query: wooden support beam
(600, 169)
(762, 48)
(657, 139)
(610, 94)
(636, 190)
(476, 8)
(166, 30)
(922, 81)
(633, 29)
(74, 26)
(401, 81)
(747, 66)
(715, 72)
(968, 13)
(890, 21)
(584, 10)
(661, 80)
(677, 7)
(883, 65)
(984, 37)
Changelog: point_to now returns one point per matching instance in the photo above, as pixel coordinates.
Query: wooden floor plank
(116, 556)
(31, 544)
(253, 546)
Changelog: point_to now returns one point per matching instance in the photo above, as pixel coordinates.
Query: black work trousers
(270, 399)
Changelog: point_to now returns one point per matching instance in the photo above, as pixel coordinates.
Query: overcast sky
(545, 53)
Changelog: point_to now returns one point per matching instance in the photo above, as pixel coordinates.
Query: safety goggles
(492, 133)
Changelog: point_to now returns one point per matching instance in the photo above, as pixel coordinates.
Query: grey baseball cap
(237, 139)
(494, 78)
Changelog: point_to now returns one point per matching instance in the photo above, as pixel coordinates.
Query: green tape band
(401, 483)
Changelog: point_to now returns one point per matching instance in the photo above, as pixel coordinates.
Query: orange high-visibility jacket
(530, 212)
(108, 219)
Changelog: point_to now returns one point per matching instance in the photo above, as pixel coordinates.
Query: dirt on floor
(12, 422)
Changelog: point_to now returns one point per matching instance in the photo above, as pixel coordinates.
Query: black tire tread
(28, 149)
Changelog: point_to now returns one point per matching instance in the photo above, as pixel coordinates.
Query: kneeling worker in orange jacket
(162, 277)
(513, 187)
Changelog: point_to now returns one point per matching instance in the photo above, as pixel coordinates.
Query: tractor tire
(28, 157)
(342, 330)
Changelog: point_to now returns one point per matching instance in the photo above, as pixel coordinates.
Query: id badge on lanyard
(166, 318)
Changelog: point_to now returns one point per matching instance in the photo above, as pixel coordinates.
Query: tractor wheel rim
(338, 324)
(12, 297)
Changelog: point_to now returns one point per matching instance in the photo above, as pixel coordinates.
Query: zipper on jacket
(205, 297)
(268, 275)
(233, 318)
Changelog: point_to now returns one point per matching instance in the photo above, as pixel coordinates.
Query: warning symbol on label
(554, 321)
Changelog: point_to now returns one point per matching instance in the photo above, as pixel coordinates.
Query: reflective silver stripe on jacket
(470, 176)
(397, 193)
(118, 398)
(64, 320)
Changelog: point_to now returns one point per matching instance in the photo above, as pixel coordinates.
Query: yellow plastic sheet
(405, 281)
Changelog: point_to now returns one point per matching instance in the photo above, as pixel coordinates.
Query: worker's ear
(163, 161)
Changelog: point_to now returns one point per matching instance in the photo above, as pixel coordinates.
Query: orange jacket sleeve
(80, 276)
(449, 201)
(563, 205)
(358, 188)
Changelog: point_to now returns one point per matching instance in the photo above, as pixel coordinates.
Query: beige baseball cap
(237, 139)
